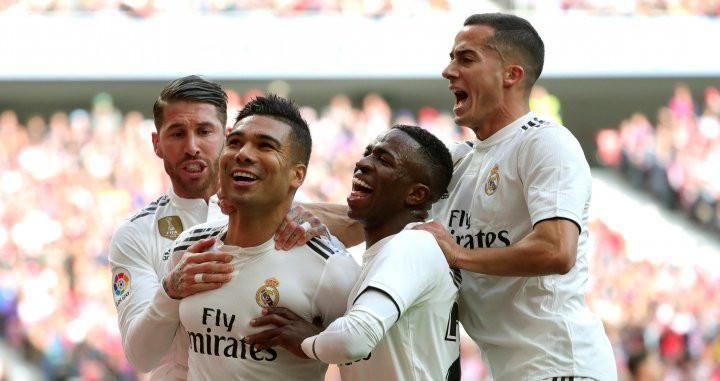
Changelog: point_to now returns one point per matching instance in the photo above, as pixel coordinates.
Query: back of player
(314, 280)
(423, 344)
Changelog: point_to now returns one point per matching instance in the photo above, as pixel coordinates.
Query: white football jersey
(424, 343)
(135, 258)
(527, 327)
(312, 280)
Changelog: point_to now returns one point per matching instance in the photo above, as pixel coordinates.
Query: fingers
(289, 232)
(197, 272)
(264, 337)
(225, 206)
(269, 319)
(202, 245)
(281, 311)
(211, 278)
(298, 227)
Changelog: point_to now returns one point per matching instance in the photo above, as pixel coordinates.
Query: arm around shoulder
(335, 217)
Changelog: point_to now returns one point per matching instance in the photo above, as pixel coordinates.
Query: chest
(486, 194)
(267, 280)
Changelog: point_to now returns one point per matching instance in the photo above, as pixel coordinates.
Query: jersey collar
(189, 203)
(504, 133)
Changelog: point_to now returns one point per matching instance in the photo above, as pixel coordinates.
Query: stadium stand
(68, 177)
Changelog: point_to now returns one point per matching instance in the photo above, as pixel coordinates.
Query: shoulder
(458, 150)
(139, 228)
(149, 211)
(414, 239)
(141, 225)
(541, 132)
(415, 246)
(323, 247)
(198, 232)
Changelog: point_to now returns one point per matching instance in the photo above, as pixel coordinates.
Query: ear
(297, 175)
(156, 148)
(514, 74)
(418, 194)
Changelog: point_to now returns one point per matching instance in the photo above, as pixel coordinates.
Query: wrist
(165, 287)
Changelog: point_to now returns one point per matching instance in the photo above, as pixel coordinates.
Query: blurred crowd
(373, 8)
(662, 319)
(68, 179)
(621, 7)
(677, 157)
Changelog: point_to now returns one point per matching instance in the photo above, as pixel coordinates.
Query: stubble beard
(199, 188)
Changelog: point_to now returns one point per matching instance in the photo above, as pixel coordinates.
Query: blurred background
(635, 80)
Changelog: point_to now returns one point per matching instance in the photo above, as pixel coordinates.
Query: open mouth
(194, 168)
(361, 186)
(460, 96)
(242, 176)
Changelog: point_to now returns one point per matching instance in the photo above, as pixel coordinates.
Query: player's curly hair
(285, 111)
(435, 157)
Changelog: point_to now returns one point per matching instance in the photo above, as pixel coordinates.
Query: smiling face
(476, 75)
(189, 142)
(257, 165)
(382, 184)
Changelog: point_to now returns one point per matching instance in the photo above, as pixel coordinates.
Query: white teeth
(248, 175)
(195, 167)
(361, 183)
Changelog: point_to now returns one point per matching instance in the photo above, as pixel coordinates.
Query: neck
(205, 195)
(248, 227)
(376, 232)
(501, 118)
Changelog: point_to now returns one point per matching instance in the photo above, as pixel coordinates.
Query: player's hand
(225, 206)
(447, 243)
(290, 332)
(198, 271)
(298, 227)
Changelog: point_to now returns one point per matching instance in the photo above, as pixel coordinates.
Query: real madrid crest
(268, 295)
(493, 180)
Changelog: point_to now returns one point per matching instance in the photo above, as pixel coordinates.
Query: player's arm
(147, 316)
(146, 333)
(348, 338)
(551, 248)
(322, 220)
(400, 275)
(335, 217)
(557, 187)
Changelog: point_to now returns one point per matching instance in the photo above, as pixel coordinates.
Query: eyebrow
(381, 151)
(257, 136)
(180, 125)
(462, 52)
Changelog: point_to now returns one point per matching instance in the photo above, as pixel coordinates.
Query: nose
(244, 154)
(449, 71)
(191, 146)
(363, 164)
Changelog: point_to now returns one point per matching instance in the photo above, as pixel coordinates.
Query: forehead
(190, 112)
(473, 37)
(261, 125)
(395, 140)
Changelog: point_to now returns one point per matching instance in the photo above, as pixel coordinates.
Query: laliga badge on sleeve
(121, 285)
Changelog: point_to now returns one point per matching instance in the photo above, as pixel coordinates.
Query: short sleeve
(556, 175)
(336, 282)
(407, 267)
